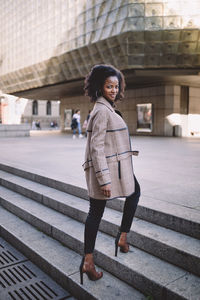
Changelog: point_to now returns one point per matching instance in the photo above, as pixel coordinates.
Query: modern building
(48, 46)
(47, 113)
(15, 111)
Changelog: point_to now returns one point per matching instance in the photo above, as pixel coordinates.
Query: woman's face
(111, 88)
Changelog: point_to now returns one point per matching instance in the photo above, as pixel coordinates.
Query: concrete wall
(172, 110)
(154, 95)
(194, 112)
(186, 124)
(167, 117)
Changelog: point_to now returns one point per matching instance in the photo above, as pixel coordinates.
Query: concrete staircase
(44, 218)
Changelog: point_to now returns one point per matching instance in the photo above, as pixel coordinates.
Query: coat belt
(89, 162)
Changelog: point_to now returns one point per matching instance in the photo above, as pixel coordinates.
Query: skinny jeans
(95, 214)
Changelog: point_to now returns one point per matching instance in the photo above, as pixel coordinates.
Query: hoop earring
(98, 94)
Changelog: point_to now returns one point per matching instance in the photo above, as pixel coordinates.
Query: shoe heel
(116, 250)
(116, 243)
(81, 277)
(81, 271)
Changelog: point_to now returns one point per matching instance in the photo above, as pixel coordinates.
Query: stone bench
(14, 130)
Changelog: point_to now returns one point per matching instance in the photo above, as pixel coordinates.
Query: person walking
(77, 118)
(108, 162)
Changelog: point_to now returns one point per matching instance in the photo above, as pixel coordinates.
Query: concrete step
(61, 263)
(143, 271)
(178, 218)
(174, 247)
(21, 279)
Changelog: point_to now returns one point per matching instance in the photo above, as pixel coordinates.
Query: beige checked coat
(108, 155)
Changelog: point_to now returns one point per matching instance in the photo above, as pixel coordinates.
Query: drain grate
(22, 280)
(14, 275)
(6, 258)
(9, 256)
(38, 290)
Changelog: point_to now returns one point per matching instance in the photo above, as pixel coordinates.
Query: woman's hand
(106, 190)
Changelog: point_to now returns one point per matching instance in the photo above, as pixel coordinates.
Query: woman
(108, 162)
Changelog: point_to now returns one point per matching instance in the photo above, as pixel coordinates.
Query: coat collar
(103, 101)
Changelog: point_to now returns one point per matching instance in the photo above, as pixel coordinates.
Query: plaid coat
(108, 155)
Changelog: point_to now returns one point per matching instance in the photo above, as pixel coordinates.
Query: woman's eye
(110, 87)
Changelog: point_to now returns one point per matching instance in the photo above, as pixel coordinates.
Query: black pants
(96, 212)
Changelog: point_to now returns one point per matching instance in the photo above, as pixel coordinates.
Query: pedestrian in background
(108, 162)
(37, 124)
(34, 125)
(76, 117)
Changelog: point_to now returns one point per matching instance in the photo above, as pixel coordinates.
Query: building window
(35, 107)
(184, 100)
(48, 107)
(144, 117)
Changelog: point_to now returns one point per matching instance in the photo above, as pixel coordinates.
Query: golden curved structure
(51, 42)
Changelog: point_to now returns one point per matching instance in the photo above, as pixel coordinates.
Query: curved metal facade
(45, 42)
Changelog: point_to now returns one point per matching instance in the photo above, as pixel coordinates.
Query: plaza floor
(168, 169)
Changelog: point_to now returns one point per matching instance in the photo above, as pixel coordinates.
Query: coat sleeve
(97, 147)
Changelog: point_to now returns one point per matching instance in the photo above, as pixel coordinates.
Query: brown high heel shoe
(121, 241)
(87, 266)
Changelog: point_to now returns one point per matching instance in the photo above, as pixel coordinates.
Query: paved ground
(168, 169)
